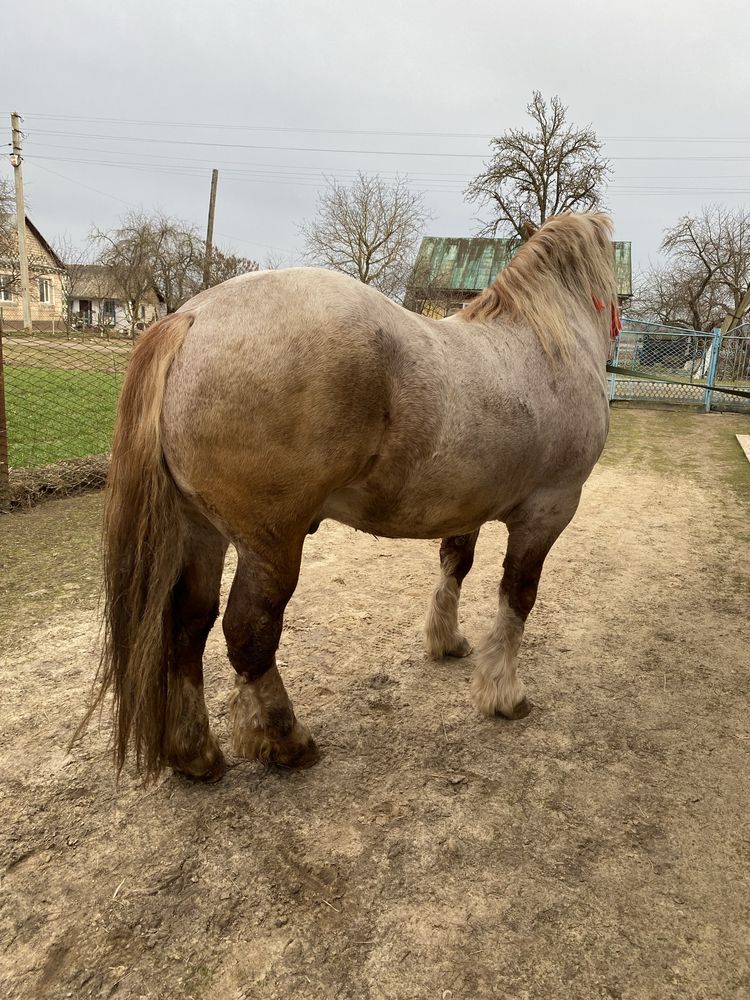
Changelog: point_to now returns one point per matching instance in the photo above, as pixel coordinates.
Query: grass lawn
(709, 453)
(56, 414)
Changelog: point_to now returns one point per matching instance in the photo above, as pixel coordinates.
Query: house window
(6, 286)
(45, 291)
(108, 311)
(143, 312)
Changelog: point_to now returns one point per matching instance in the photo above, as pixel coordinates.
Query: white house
(97, 302)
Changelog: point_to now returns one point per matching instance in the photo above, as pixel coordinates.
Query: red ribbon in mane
(616, 323)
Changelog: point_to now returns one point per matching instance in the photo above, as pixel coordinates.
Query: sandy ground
(598, 848)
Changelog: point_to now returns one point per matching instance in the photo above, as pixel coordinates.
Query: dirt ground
(598, 848)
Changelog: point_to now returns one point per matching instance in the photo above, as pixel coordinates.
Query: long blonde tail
(144, 534)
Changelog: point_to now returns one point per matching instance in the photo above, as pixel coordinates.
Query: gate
(662, 355)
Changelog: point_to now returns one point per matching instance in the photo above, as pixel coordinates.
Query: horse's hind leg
(264, 726)
(442, 633)
(533, 529)
(189, 745)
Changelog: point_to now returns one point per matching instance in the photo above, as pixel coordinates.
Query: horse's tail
(144, 534)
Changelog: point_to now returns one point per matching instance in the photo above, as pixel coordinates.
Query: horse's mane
(563, 266)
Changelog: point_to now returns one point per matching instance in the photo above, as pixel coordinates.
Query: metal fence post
(614, 360)
(712, 365)
(4, 473)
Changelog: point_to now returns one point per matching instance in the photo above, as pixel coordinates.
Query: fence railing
(661, 356)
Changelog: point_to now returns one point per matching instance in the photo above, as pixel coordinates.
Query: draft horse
(279, 399)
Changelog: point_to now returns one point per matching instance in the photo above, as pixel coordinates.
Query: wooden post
(16, 159)
(733, 318)
(4, 472)
(210, 231)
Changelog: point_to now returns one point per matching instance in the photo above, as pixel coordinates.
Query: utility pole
(16, 160)
(210, 232)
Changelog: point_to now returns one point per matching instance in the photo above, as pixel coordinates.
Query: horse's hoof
(210, 766)
(297, 750)
(493, 696)
(519, 711)
(462, 648)
(298, 756)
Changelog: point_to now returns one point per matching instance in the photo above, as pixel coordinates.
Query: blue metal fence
(699, 359)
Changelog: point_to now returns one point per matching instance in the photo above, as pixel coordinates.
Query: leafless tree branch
(533, 174)
(707, 274)
(369, 230)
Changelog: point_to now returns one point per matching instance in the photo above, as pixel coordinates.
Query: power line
(81, 184)
(462, 175)
(255, 243)
(265, 128)
(241, 163)
(353, 152)
(313, 170)
(346, 131)
(303, 179)
(239, 145)
(188, 171)
(309, 171)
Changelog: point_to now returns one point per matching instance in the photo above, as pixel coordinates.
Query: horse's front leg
(442, 633)
(533, 528)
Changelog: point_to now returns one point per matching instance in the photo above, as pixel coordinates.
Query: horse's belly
(403, 525)
(481, 478)
(417, 511)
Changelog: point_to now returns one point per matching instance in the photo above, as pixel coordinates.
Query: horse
(278, 399)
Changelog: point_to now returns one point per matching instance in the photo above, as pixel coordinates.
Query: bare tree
(534, 174)
(676, 296)
(146, 253)
(74, 259)
(276, 261)
(7, 212)
(175, 259)
(368, 229)
(228, 265)
(706, 277)
(9, 262)
(129, 253)
(714, 246)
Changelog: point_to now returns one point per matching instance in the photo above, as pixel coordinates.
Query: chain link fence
(733, 362)
(60, 399)
(661, 357)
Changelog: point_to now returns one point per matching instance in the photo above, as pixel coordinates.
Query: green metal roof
(464, 264)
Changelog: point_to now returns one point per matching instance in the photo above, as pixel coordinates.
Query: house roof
(58, 263)
(464, 264)
(93, 281)
(35, 259)
(97, 281)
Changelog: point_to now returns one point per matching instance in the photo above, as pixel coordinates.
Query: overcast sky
(277, 94)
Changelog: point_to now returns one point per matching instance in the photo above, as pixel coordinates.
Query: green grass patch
(676, 443)
(57, 414)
